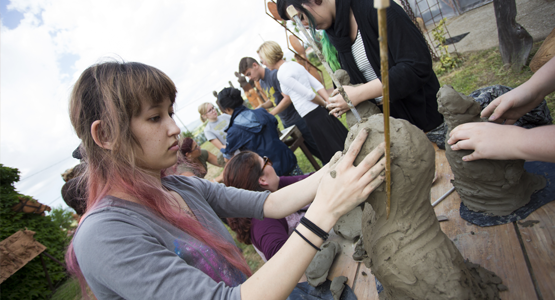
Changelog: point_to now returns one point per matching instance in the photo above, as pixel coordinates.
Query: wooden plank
(538, 239)
(344, 265)
(495, 248)
(365, 284)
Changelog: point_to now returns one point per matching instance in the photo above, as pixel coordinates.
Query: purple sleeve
(269, 235)
(287, 180)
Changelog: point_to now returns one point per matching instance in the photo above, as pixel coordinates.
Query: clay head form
(496, 187)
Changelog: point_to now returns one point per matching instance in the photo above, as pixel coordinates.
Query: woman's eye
(155, 119)
(171, 114)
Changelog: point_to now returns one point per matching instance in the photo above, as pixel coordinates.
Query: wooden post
(515, 42)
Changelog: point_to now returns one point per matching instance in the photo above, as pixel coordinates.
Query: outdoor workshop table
(527, 267)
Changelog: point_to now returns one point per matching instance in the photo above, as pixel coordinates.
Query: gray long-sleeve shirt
(127, 252)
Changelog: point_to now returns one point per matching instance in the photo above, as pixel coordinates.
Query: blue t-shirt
(270, 85)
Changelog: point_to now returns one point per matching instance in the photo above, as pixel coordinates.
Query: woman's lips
(174, 146)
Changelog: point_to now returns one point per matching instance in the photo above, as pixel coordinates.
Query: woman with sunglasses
(191, 161)
(248, 171)
(216, 126)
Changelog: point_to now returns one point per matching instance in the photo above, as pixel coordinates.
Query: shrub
(30, 281)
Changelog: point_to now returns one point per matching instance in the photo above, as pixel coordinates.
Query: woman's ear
(262, 181)
(99, 136)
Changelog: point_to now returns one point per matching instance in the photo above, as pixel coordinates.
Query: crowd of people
(152, 223)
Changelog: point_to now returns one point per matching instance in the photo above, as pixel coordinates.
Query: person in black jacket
(352, 27)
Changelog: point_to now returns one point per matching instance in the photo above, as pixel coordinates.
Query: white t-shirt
(296, 82)
(215, 130)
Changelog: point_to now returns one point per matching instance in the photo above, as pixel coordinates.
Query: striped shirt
(359, 54)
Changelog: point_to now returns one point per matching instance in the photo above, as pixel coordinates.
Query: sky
(46, 44)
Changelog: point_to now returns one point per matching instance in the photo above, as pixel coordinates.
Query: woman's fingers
(354, 148)
(373, 185)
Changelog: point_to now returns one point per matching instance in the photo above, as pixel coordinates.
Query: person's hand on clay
(345, 187)
(494, 141)
(509, 107)
(370, 90)
(488, 140)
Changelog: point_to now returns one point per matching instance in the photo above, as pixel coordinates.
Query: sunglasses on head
(267, 161)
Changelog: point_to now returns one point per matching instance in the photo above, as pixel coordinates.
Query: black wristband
(306, 240)
(314, 228)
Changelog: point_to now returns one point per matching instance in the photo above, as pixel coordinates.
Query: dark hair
(74, 193)
(186, 146)
(298, 4)
(245, 63)
(243, 171)
(229, 98)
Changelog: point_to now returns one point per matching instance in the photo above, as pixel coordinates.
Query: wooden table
(293, 138)
(522, 255)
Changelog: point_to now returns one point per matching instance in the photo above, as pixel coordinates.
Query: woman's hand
(337, 105)
(346, 186)
(488, 140)
(509, 107)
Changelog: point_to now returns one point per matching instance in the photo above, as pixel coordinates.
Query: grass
(485, 68)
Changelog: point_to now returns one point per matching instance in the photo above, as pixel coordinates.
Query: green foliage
(447, 62)
(313, 59)
(63, 218)
(188, 134)
(30, 281)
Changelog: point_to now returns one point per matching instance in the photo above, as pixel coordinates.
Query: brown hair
(245, 63)
(113, 93)
(243, 171)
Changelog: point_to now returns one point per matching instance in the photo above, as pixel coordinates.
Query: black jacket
(413, 84)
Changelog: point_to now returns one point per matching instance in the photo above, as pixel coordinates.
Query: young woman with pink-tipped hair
(147, 237)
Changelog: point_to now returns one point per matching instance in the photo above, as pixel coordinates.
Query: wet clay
(337, 286)
(408, 253)
(359, 253)
(365, 109)
(317, 271)
(349, 225)
(496, 187)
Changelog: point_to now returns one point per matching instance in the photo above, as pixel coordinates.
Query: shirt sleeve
(209, 134)
(269, 235)
(135, 265)
(314, 83)
(290, 86)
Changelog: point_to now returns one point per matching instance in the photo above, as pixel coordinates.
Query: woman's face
(211, 113)
(157, 134)
(269, 179)
(195, 151)
(323, 14)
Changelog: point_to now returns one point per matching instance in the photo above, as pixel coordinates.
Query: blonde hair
(203, 110)
(270, 52)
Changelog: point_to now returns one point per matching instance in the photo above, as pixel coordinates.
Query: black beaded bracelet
(306, 240)
(314, 228)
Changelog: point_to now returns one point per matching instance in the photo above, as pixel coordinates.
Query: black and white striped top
(359, 54)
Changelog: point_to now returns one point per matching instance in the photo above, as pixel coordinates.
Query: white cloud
(197, 43)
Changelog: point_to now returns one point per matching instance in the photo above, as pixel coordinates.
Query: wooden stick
(382, 5)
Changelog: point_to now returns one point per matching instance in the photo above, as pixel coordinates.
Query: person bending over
(352, 28)
(247, 170)
(254, 130)
(328, 132)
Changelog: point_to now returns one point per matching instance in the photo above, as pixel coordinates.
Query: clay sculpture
(319, 267)
(408, 253)
(496, 187)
